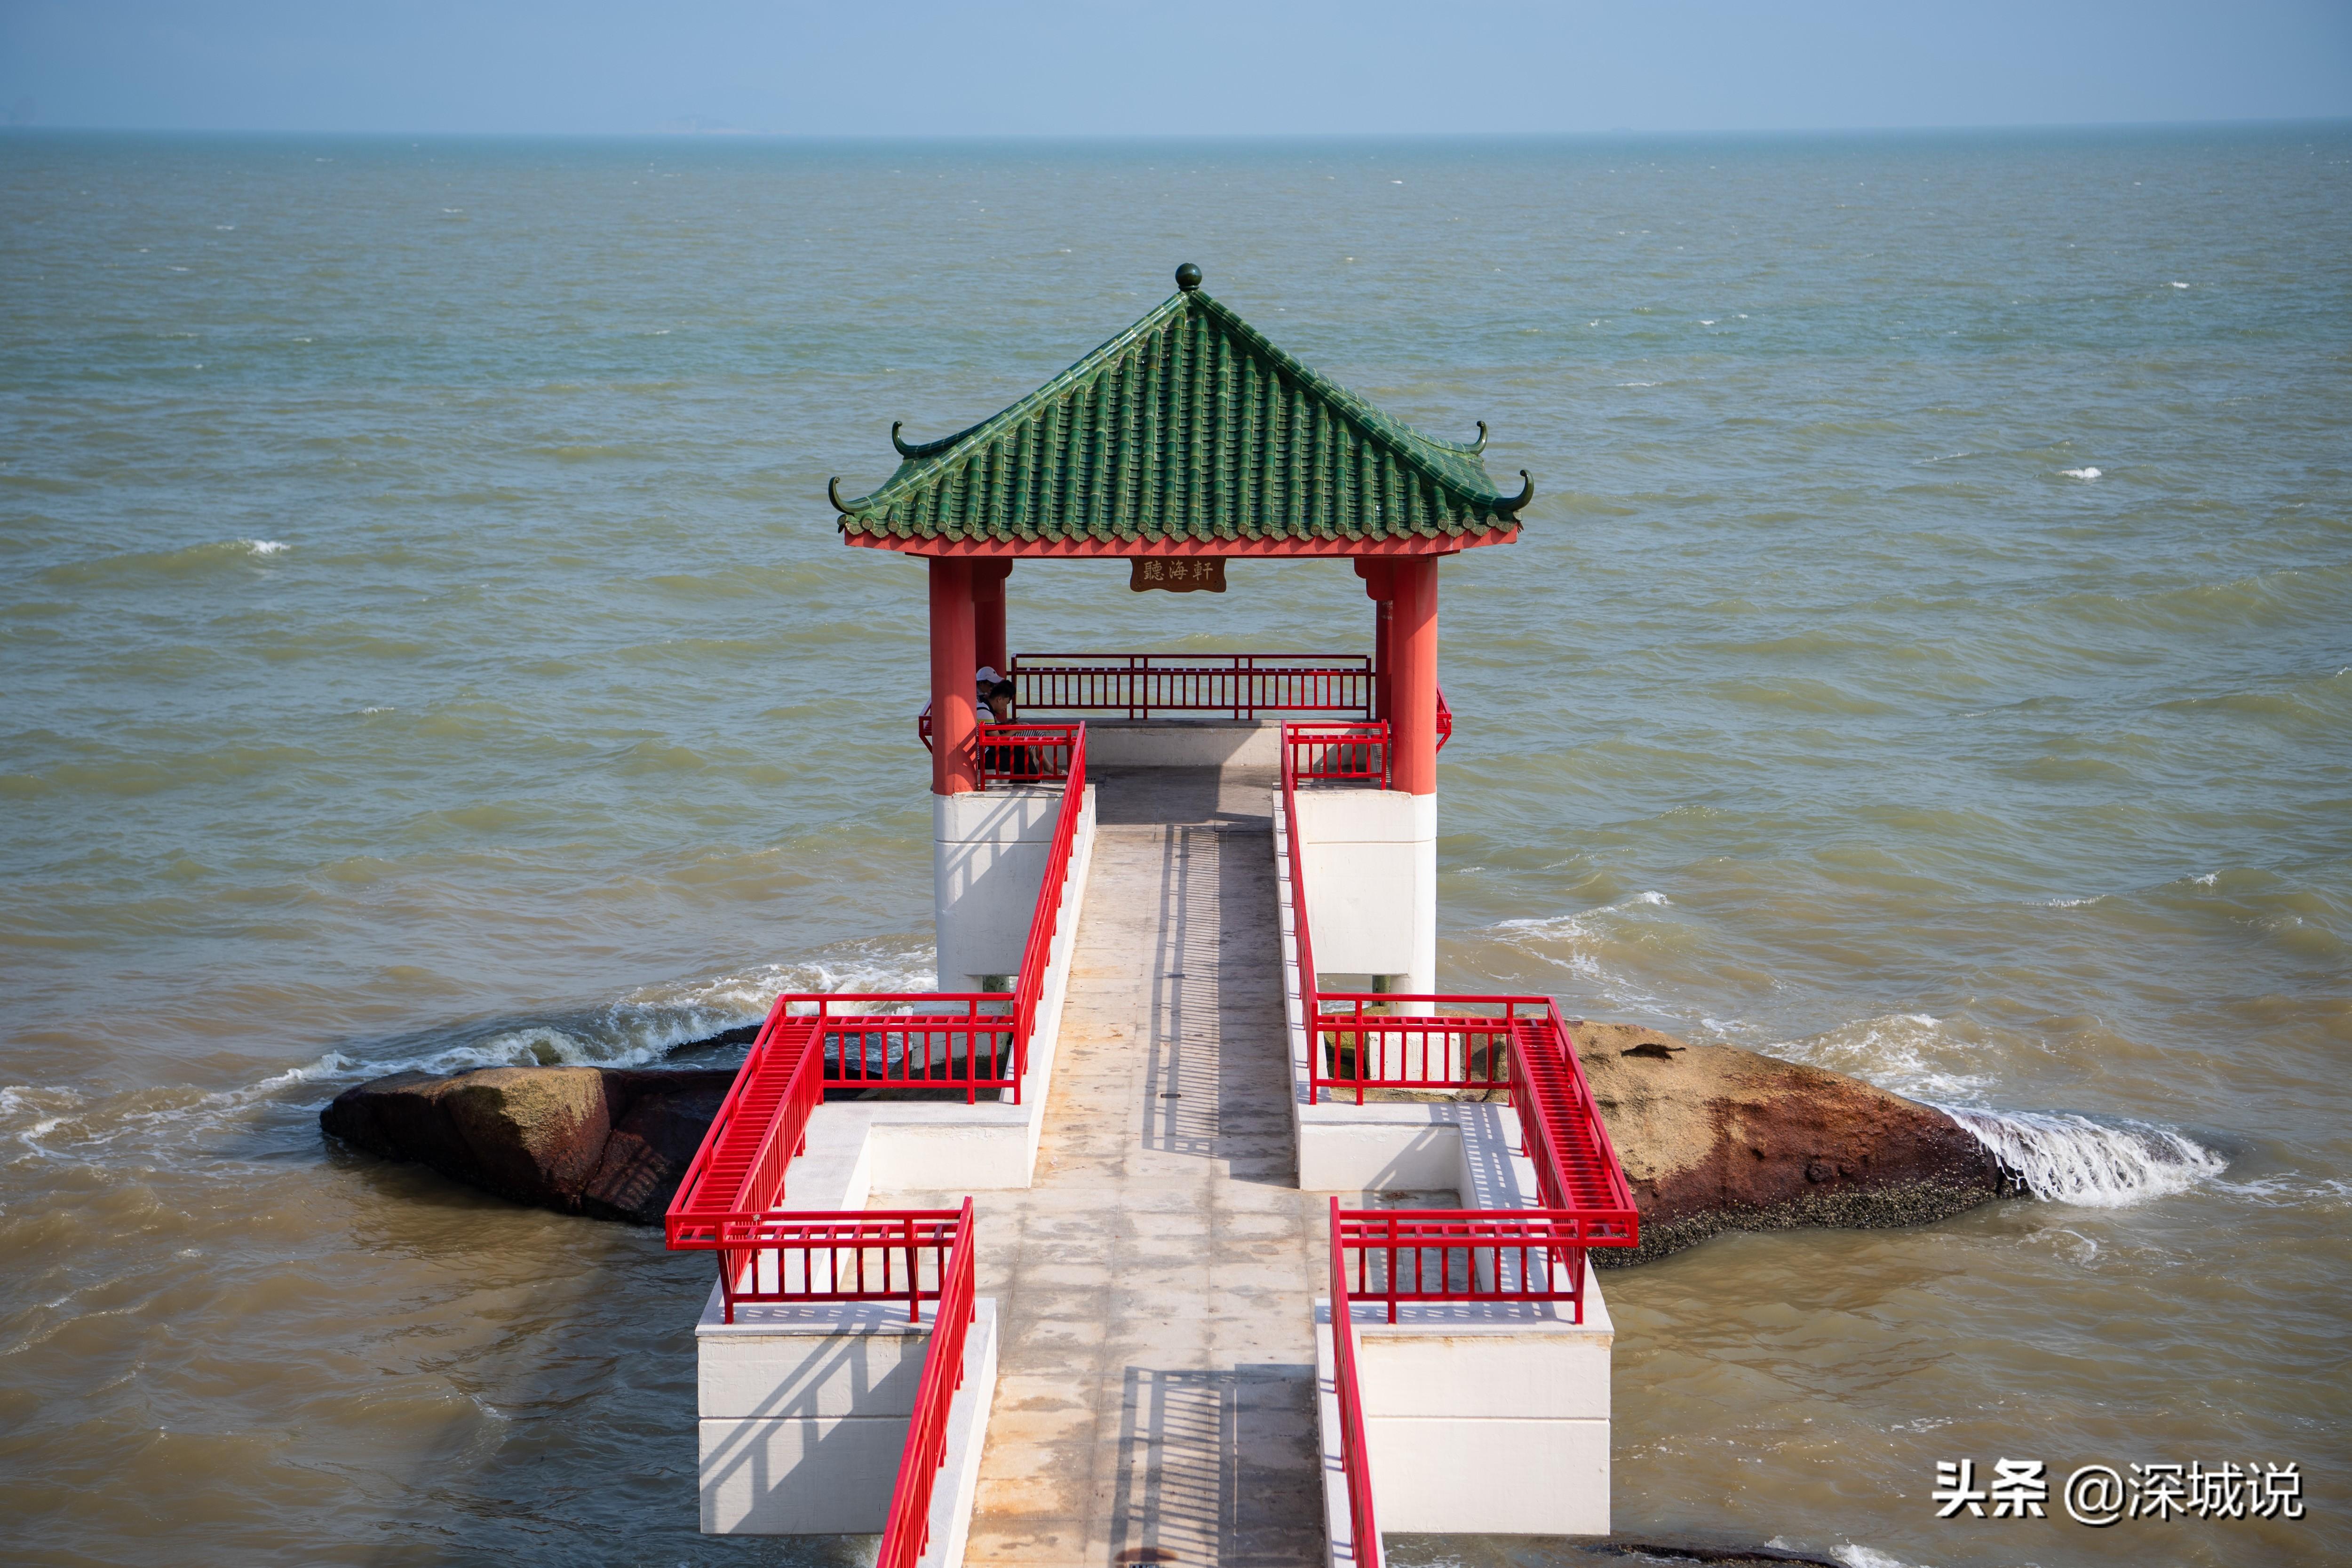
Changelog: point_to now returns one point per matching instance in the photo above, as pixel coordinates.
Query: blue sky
(1111, 68)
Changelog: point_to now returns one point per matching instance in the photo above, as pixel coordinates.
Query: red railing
(1362, 1041)
(969, 1040)
(836, 1255)
(1332, 753)
(1295, 852)
(1236, 685)
(1447, 1256)
(738, 1173)
(1171, 683)
(1355, 1457)
(1037, 953)
(1562, 1133)
(1026, 753)
(1367, 1040)
(906, 1535)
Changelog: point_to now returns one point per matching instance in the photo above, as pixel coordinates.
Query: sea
(425, 643)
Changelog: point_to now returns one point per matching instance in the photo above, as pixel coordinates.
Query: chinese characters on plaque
(1178, 574)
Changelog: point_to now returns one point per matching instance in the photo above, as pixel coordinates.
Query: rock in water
(609, 1142)
(1714, 1137)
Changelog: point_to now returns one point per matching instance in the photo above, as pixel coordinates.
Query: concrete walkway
(1155, 1401)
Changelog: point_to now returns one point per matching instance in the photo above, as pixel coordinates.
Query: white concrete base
(1371, 881)
(1346, 1148)
(1184, 743)
(804, 1408)
(803, 1415)
(1485, 1418)
(856, 1146)
(988, 849)
(1414, 1147)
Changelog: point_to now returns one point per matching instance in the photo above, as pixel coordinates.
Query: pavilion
(1472, 1393)
(1187, 440)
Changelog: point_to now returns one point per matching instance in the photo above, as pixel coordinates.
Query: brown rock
(607, 1142)
(1714, 1137)
(532, 1131)
(653, 1142)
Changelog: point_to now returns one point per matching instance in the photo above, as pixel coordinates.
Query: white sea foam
(2177, 284)
(2208, 880)
(1567, 940)
(2070, 903)
(1911, 1053)
(1854, 1556)
(1649, 897)
(648, 1023)
(641, 1026)
(2080, 473)
(2295, 1192)
(48, 1107)
(266, 546)
(2068, 1158)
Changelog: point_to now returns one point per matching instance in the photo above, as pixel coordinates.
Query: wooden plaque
(1177, 575)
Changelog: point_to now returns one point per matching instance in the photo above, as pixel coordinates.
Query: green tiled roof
(1189, 425)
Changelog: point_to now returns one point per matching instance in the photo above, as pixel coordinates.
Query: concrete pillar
(988, 614)
(954, 723)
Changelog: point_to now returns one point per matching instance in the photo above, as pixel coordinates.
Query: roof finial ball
(1188, 277)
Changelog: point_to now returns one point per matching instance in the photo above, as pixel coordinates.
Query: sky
(1178, 68)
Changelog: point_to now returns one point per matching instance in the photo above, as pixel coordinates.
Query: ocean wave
(640, 1027)
(2066, 1157)
(647, 1024)
(1912, 1054)
(1570, 943)
(44, 1111)
(2282, 595)
(2295, 1192)
(1854, 1556)
(2080, 473)
(142, 564)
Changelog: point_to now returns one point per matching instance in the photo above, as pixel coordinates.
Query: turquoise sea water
(424, 640)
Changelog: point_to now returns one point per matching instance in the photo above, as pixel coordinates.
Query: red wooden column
(988, 614)
(954, 724)
(1412, 644)
(1379, 588)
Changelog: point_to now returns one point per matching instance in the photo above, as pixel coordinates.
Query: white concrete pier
(1156, 1381)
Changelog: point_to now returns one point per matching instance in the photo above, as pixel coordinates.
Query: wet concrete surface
(1155, 1396)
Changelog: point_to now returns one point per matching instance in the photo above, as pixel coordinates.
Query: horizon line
(731, 133)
